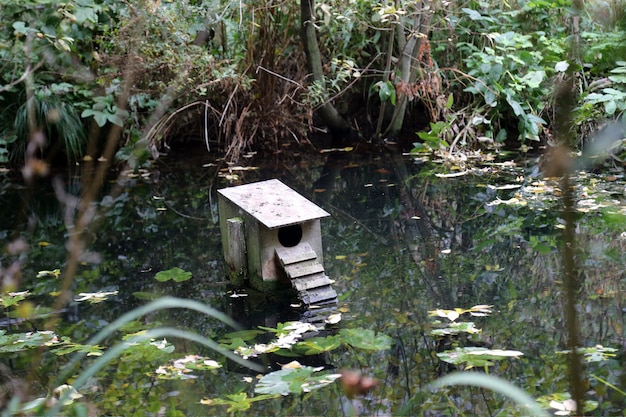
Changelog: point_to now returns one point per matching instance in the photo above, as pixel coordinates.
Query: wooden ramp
(307, 275)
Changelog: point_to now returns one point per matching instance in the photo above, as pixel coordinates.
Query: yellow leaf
(292, 365)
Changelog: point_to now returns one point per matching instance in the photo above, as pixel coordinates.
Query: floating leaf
(70, 347)
(596, 353)
(456, 328)
(333, 319)
(476, 356)
(243, 335)
(451, 315)
(94, 297)
(55, 273)
(316, 345)
(182, 368)
(17, 342)
(236, 402)
(294, 381)
(366, 339)
(175, 274)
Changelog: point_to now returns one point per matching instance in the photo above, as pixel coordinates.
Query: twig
(27, 72)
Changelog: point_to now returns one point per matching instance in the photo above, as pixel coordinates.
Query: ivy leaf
(534, 78)
(473, 14)
(517, 108)
(386, 91)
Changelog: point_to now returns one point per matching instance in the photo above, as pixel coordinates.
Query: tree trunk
(408, 66)
(330, 116)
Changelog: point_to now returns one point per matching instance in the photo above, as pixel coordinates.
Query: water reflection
(400, 242)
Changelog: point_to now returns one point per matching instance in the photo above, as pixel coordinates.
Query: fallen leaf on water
(452, 174)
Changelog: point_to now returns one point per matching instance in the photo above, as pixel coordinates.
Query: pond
(406, 236)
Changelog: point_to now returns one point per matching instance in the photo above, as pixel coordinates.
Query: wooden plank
(303, 269)
(299, 253)
(236, 246)
(313, 281)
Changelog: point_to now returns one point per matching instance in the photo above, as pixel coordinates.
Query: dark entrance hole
(290, 236)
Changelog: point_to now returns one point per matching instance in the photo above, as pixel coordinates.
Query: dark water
(400, 241)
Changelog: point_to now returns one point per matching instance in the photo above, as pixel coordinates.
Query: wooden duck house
(272, 240)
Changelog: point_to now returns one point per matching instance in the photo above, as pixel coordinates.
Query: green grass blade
(158, 333)
(160, 304)
(493, 383)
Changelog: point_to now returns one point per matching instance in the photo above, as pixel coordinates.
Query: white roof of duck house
(273, 204)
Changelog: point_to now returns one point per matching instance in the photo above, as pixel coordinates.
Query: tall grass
(59, 121)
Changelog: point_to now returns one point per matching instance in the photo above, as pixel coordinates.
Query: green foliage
(511, 73)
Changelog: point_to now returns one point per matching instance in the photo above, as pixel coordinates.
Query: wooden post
(236, 252)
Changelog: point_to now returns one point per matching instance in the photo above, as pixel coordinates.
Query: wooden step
(303, 269)
(312, 281)
(320, 295)
(299, 253)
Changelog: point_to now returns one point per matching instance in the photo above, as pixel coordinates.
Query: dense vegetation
(101, 83)
(236, 76)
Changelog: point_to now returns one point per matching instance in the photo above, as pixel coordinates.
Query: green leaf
(610, 107)
(534, 78)
(12, 298)
(294, 381)
(517, 108)
(386, 91)
(366, 339)
(473, 14)
(456, 328)
(450, 102)
(618, 78)
(501, 136)
(316, 345)
(174, 274)
(561, 66)
(243, 335)
(236, 402)
(20, 27)
(17, 342)
(476, 356)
